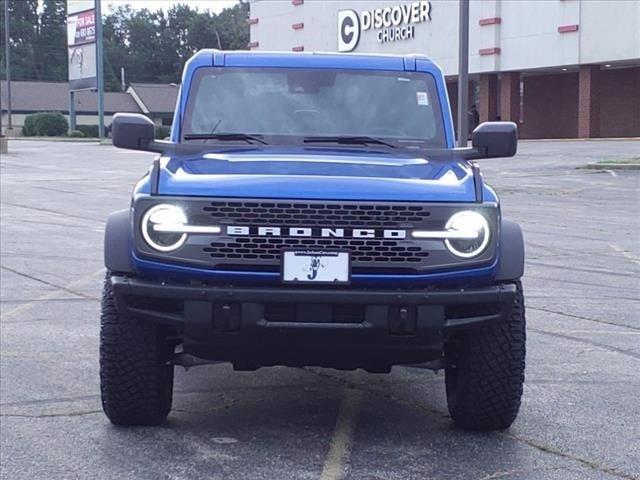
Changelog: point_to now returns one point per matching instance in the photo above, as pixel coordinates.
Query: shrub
(91, 131)
(162, 132)
(88, 130)
(46, 124)
(76, 134)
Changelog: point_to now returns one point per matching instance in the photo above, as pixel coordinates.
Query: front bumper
(339, 328)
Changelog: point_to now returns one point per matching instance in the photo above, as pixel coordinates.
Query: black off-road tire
(485, 372)
(136, 376)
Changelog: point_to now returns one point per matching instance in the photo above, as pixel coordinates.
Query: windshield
(297, 103)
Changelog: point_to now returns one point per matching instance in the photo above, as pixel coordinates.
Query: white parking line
(340, 447)
(626, 254)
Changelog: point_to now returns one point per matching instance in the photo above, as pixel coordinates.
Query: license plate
(306, 266)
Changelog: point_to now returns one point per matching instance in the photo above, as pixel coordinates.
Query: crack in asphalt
(44, 256)
(570, 456)
(548, 449)
(558, 234)
(46, 300)
(51, 415)
(224, 406)
(53, 224)
(579, 317)
(45, 282)
(58, 190)
(20, 403)
(588, 342)
(509, 473)
(585, 270)
(548, 296)
(55, 212)
(599, 286)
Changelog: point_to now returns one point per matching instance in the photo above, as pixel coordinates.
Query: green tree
(233, 27)
(50, 47)
(154, 46)
(150, 46)
(23, 27)
(116, 51)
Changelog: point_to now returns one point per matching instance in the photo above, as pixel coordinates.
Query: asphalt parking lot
(580, 417)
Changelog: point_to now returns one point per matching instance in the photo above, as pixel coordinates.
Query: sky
(215, 6)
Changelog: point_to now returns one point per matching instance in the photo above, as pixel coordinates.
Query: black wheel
(486, 372)
(136, 376)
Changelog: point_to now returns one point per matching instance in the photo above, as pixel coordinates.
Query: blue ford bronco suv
(312, 210)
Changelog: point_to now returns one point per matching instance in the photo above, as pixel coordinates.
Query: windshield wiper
(226, 137)
(349, 140)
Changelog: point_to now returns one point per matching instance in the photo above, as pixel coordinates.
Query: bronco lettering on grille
(315, 232)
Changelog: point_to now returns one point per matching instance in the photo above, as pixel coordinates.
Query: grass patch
(623, 161)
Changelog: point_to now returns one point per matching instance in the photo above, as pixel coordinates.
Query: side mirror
(133, 131)
(495, 139)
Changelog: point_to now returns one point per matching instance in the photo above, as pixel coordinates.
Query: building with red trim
(559, 68)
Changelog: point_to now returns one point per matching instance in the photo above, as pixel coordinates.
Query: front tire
(485, 372)
(136, 376)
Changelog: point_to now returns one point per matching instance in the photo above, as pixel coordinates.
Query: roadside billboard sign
(81, 42)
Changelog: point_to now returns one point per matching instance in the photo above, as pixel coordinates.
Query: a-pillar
(588, 101)
(488, 102)
(510, 97)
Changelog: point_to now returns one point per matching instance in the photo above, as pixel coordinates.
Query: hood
(309, 173)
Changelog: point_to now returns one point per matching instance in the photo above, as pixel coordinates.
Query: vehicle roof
(244, 58)
(318, 60)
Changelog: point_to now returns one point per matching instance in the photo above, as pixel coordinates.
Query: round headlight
(157, 225)
(468, 222)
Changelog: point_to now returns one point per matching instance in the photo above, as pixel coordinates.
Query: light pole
(100, 69)
(7, 56)
(463, 73)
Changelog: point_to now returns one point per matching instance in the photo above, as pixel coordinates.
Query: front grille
(250, 251)
(363, 250)
(318, 214)
(383, 252)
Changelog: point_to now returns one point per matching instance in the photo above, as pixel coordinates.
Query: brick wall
(488, 97)
(550, 108)
(620, 102)
(452, 91)
(589, 101)
(551, 102)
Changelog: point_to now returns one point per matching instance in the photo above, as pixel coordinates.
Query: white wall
(527, 36)
(609, 31)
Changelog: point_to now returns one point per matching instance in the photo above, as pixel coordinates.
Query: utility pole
(463, 74)
(122, 80)
(100, 69)
(7, 56)
(72, 111)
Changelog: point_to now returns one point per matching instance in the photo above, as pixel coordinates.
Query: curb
(598, 139)
(55, 139)
(613, 166)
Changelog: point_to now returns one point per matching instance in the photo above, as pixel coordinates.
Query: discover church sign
(389, 23)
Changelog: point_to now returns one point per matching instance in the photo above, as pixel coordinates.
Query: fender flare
(511, 262)
(117, 242)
